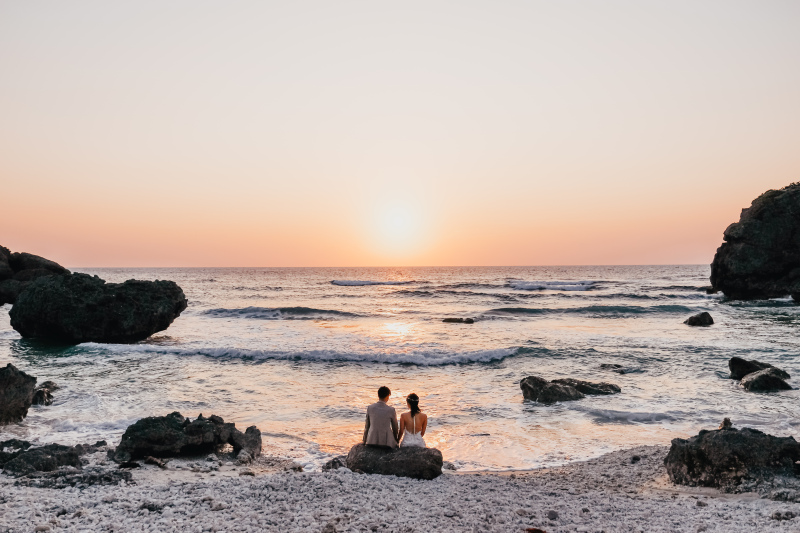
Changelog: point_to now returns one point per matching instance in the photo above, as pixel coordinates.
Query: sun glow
(398, 230)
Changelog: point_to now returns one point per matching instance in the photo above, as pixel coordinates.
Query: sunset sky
(344, 133)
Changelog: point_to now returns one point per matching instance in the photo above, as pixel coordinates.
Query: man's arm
(366, 429)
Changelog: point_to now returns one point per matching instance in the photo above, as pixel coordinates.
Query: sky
(370, 133)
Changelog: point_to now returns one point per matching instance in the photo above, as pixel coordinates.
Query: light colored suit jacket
(380, 428)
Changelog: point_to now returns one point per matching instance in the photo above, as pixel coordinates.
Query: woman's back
(415, 424)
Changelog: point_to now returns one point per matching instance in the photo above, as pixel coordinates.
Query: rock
(174, 435)
(726, 424)
(9, 290)
(129, 465)
(540, 390)
(43, 459)
(552, 515)
(417, 463)
(16, 394)
(42, 397)
(765, 380)
(77, 308)
(786, 515)
(724, 458)
(701, 319)
(741, 367)
(447, 465)
(335, 464)
(761, 253)
(619, 369)
(23, 261)
(12, 448)
(150, 460)
(459, 320)
(587, 387)
(6, 272)
(701, 503)
(81, 480)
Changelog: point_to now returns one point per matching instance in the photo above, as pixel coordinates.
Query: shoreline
(614, 492)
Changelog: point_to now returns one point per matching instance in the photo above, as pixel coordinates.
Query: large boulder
(587, 387)
(741, 367)
(540, 390)
(16, 394)
(725, 457)
(17, 270)
(760, 257)
(765, 380)
(77, 308)
(174, 435)
(700, 319)
(21, 459)
(417, 463)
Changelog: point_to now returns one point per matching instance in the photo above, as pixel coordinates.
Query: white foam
(361, 283)
(552, 285)
(421, 357)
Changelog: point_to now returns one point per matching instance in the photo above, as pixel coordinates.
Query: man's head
(384, 393)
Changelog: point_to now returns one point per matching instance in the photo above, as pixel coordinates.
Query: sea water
(301, 352)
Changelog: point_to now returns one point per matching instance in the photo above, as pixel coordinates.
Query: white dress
(413, 439)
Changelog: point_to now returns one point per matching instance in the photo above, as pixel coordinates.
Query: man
(380, 428)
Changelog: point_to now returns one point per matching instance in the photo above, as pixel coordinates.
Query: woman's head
(412, 400)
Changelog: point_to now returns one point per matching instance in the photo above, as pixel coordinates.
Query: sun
(398, 229)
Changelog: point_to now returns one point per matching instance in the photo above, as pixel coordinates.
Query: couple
(381, 426)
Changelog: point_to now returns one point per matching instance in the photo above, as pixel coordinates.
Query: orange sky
(362, 133)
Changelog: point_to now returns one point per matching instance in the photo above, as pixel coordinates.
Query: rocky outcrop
(417, 463)
(459, 320)
(587, 387)
(18, 269)
(43, 395)
(724, 458)
(23, 459)
(757, 376)
(335, 464)
(540, 390)
(174, 435)
(77, 308)
(741, 367)
(760, 257)
(16, 394)
(765, 380)
(700, 319)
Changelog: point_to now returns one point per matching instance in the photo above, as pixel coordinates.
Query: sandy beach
(615, 492)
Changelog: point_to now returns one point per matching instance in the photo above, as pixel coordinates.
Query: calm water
(301, 357)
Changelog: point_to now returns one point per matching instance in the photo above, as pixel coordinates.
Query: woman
(413, 424)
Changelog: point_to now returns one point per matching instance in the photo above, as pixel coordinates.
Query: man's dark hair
(383, 392)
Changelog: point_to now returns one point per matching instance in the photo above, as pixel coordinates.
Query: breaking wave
(552, 285)
(361, 283)
(277, 313)
(591, 310)
(420, 357)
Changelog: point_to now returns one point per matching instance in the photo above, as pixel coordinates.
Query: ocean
(301, 352)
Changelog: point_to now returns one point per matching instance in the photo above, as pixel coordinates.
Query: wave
(626, 417)
(444, 292)
(419, 358)
(552, 285)
(591, 309)
(361, 283)
(277, 313)
(468, 285)
(256, 288)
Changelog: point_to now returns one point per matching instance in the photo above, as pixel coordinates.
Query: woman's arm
(424, 426)
(402, 428)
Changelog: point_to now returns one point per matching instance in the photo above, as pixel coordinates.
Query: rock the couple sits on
(381, 427)
(394, 449)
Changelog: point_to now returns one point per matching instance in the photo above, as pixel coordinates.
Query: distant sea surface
(300, 352)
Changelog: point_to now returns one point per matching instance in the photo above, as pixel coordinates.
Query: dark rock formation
(335, 464)
(619, 369)
(417, 463)
(741, 367)
(459, 320)
(16, 394)
(700, 319)
(80, 479)
(725, 457)
(47, 458)
(760, 257)
(77, 308)
(562, 390)
(765, 380)
(587, 387)
(17, 270)
(174, 435)
(12, 448)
